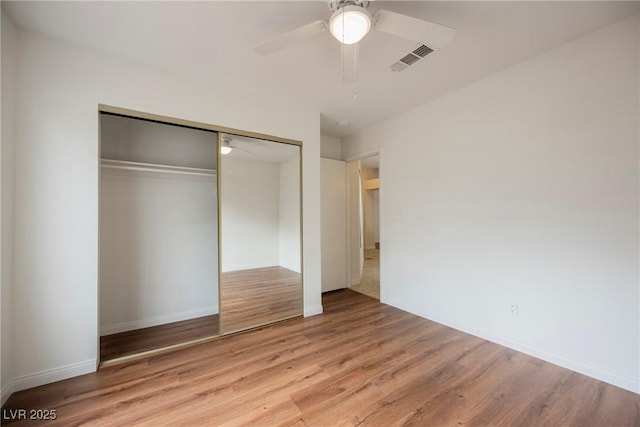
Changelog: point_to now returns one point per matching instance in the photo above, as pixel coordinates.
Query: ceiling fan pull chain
(355, 71)
(342, 74)
(342, 63)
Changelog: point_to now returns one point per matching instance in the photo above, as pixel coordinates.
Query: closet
(200, 232)
(158, 235)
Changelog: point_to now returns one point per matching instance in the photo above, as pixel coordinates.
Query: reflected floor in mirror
(258, 296)
(128, 343)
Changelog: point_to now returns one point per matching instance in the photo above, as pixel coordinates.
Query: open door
(333, 187)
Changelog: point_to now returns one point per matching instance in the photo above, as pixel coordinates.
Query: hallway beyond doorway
(370, 283)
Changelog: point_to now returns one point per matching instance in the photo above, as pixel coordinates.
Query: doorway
(363, 212)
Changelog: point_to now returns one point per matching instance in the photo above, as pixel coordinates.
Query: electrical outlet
(514, 308)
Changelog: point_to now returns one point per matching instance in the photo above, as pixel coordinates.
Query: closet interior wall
(158, 225)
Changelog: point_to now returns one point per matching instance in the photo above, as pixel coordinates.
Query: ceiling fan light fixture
(225, 145)
(350, 24)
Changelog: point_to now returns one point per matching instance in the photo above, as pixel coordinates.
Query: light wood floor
(370, 281)
(140, 340)
(360, 363)
(258, 296)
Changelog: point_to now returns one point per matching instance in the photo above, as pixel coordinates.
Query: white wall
(289, 214)
(334, 224)
(523, 187)
(260, 214)
(56, 178)
(9, 60)
(249, 217)
(330, 147)
(158, 249)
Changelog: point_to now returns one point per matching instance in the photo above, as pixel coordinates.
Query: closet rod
(152, 167)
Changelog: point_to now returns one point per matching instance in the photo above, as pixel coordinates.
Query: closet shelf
(153, 167)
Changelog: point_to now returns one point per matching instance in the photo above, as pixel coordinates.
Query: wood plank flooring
(140, 340)
(254, 297)
(360, 363)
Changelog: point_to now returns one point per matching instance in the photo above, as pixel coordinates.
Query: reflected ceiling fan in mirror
(351, 21)
(228, 144)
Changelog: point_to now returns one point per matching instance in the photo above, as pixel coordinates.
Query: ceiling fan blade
(291, 37)
(349, 61)
(235, 147)
(431, 34)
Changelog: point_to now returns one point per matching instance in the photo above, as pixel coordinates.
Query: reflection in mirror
(260, 232)
(158, 236)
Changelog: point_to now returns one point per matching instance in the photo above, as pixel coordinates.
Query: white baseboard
(157, 320)
(52, 375)
(7, 391)
(564, 361)
(627, 383)
(335, 288)
(242, 267)
(312, 311)
(293, 267)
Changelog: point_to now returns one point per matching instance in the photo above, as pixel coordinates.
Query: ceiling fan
(228, 144)
(351, 21)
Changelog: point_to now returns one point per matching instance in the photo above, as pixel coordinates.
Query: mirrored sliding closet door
(260, 280)
(158, 236)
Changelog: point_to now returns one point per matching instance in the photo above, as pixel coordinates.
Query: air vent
(398, 66)
(422, 51)
(411, 58)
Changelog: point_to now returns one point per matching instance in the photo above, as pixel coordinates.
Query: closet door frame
(134, 114)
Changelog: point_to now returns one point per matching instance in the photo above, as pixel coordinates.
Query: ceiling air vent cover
(411, 58)
(422, 51)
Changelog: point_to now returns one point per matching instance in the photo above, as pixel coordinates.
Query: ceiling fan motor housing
(339, 4)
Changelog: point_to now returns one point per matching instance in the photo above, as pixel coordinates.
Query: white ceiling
(214, 40)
